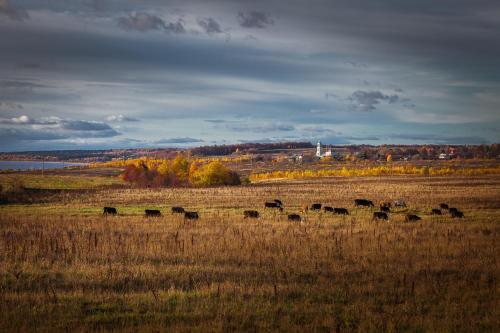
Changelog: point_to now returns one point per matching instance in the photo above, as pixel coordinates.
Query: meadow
(65, 267)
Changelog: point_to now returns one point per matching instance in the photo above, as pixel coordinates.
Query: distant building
(444, 156)
(320, 153)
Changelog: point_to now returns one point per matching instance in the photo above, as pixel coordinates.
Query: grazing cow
(384, 208)
(411, 217)
(341, 211)
(294, 217)
(363, 202)
(457, 213)
(251, 214)
(177, 210)
(191, 215)
(328, 209)
(436, 211)
(278, 202)
(152, 212)
(380, 216)
(316, 206)
(109, 210)
(452, 209)
(272, 205)
(399, 204)
(443, 206)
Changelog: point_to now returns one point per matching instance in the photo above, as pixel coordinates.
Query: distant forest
(422, 152)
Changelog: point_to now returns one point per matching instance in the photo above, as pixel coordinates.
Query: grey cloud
(83, 125)
(10, 105)
(215, 121)
(144, 22)
(271, 127)
(367, 100)
(175, 27)
(119, 118)
(210, 26)
(25, 120)
(255, 19)
(53, 128)
(178, 140)
(9, 135)
(20, 84)
(12, 12)
(439, 139)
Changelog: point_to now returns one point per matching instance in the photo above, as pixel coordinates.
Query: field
(65, 267)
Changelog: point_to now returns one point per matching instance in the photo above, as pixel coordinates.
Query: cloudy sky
(79, 74)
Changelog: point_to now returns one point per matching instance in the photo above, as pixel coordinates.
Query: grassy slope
(57, 182)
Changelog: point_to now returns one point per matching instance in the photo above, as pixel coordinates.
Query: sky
(99, 74)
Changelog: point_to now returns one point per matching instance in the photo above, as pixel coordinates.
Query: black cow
(273, 205)
(341, 211)
(177, 210)
(316, 206)
(251, 214)
(363, 202)
(294, 217)
(436, 211)
(380, 216)
(384, 208)
(443, 206)
(328, 209)
(191, 215)
(452, 209)
(152, 212)
(109, 210)
(457, 213)
(411, 217)
(278, 202)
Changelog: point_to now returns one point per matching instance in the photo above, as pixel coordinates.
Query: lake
(28, 165)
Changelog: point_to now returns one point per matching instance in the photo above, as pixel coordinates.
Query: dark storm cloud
(210, 26)
(178, 140)
(12, 12)
(367, 100)
(53, 128)
(444, 53)
(144, 22)
(85, 50)
(255, 19)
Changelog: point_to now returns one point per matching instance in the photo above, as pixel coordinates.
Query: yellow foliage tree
(214, 173)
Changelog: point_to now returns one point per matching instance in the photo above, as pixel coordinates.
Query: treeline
(374, 171)
(179, 172)
(218, 150)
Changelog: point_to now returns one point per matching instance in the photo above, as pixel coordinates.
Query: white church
(320, 153)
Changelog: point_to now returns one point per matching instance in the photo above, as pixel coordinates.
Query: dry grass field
(65, 267)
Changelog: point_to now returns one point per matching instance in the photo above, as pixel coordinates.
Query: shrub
(179, 172)
(214, 173)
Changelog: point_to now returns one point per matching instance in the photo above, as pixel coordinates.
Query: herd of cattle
(382, 214)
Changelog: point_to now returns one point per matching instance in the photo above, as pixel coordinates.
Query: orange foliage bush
(178, 172)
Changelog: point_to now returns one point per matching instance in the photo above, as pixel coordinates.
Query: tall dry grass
(224, 273)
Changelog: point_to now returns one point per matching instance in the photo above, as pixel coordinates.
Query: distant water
(30, 165)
